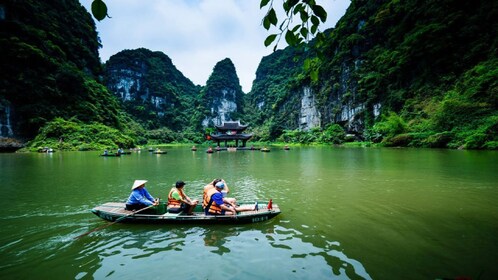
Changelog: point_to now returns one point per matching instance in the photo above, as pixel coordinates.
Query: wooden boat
(111, 155)
(113, 211)
(209, 151)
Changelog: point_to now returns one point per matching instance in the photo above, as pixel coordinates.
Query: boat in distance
(116, 212)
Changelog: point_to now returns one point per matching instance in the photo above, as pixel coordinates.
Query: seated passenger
(140, 197)
(178, 201)
(231, 201)
(213, 203)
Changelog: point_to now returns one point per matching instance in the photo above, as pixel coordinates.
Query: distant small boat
(46, 150)
(193, 148)
(111, 155)
(231, 149)
(159, 152)
(266, 150)
(286, 148)
(209, 151)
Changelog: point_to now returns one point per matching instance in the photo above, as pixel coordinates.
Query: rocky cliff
(151, 88)
(404, 72)
(49, 63)
(223, 96)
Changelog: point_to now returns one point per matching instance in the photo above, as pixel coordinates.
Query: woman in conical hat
(140, 197)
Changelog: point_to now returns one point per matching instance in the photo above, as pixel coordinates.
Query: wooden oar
(117, 220)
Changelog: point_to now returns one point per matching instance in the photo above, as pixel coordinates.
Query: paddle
(117, 220)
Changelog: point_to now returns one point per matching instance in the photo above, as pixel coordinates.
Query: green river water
(347, 213)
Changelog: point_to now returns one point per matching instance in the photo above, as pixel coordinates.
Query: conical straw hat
(138, 183)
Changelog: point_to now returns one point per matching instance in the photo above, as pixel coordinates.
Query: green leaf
(272, 17)
(270, 39)
(99, 9)
(315, 20)
(320, 12)
(314, 28)
(266, 23)
(304, 32)
(304, 16)
(263, 3)
(290, 38)
(298, 8)
(289, 4)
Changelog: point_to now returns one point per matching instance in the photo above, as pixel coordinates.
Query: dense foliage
(49, 64)
(160, 95)
(428, 67)
(75, 135)
(412, 73)
(272, 104)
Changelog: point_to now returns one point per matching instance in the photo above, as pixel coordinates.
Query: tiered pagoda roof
(231, 130)
(231, 125)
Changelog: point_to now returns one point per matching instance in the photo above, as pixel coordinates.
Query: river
(347, 213)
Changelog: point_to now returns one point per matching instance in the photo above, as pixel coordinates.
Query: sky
(196, 34)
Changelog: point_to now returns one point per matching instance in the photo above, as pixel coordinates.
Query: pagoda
(231, 131)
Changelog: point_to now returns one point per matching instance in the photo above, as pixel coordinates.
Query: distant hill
(152, 90)
(222, 96)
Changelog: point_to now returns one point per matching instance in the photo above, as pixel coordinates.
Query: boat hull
(113, 212)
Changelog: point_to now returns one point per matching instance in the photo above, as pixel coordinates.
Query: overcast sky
(196, 34)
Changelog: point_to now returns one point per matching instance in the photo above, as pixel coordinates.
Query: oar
(117, 220)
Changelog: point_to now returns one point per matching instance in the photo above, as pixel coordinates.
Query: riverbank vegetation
(392, 73)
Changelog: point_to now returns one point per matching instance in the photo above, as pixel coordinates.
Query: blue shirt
(218, 198)
(140, 196)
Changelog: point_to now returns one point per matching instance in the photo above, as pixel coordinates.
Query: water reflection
(346, 214)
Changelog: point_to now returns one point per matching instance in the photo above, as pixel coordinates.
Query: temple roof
(231, 125)
(222, 137)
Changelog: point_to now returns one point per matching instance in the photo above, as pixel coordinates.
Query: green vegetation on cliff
(159, 95)
(428, 68)
(49, 64)
(223, 84)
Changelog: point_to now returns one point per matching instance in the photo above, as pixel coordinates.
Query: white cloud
(195, 34)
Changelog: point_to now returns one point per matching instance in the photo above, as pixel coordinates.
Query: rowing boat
(113, 211)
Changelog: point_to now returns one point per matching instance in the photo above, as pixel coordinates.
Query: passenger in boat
(213, 203)
(224, 192)
(178, 201)
(140, 197)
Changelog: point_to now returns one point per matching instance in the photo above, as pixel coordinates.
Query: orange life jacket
(172, 202)
(208, 204)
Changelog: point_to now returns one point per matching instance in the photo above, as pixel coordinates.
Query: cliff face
(154, 92)
(151, 88)
(223, 96)
(49, 63)
(422, 61)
